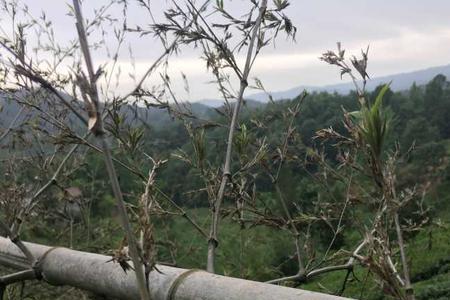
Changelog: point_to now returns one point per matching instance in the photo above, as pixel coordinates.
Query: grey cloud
(321, 23)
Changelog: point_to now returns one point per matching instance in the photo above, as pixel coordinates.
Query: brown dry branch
(148, 205)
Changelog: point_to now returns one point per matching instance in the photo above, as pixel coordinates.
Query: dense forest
(258, 250)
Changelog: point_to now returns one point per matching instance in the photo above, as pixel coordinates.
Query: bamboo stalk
(96, 273)
(99, 134)
(213, 239)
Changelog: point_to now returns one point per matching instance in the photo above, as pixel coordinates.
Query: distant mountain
(215, 103)
(210, 102)
(401, 81)
(11, 110)
(206, 109)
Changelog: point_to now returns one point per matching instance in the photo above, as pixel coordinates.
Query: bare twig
(302, 278)
(19, 276)
(16, 240)
(408, 287)
(213, 240)
(11, 125)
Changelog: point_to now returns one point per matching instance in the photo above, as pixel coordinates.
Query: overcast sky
(404, 35)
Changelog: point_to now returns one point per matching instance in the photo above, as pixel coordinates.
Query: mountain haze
(400, 81)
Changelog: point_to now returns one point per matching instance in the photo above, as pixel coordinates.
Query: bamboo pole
(96, 273)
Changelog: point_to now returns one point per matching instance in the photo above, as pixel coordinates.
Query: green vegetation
(344, 194)
(265, 251)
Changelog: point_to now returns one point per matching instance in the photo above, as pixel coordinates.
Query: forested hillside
(256, 249)
(420, 122)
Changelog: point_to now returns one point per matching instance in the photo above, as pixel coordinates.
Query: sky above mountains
(404, 35)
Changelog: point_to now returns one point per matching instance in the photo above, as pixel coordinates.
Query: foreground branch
(213, 240)
(91, 96)
(303, 277)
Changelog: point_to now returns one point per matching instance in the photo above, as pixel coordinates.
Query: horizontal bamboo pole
(96, 273)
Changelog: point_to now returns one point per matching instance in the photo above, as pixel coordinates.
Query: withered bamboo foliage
(88, 89)
(28, 72)
(216, 205)
(70, 111)
(220, 55)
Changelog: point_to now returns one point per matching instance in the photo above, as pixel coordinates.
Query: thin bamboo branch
(289, 131)
(16, 240)
(118, 161)
(26, 69)
(394, 270)
(408, 287)
(157, 62)
(182, 212)
(341, 217)
(302, 278)
(11, 125)
(213, 240)
(301, 267)
(99, 133)
(18, 276)
(32, 202)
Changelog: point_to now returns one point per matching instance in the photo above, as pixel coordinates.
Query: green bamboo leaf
(379, 99)
(219, 4)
